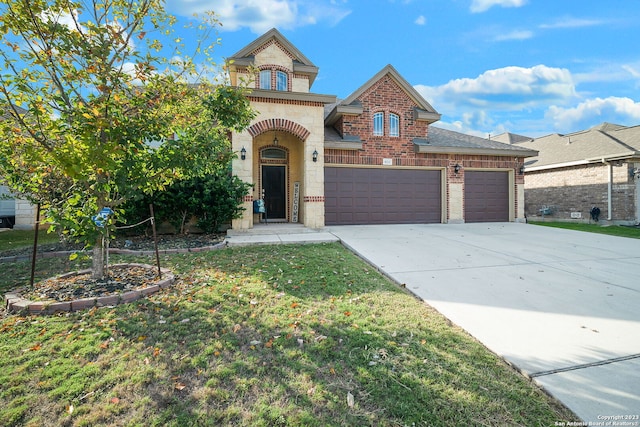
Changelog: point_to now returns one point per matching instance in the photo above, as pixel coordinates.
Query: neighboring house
(574, 173)
(15, 213)
(372, 158)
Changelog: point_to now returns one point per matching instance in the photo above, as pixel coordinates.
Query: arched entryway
(278, 169)
(274, 182)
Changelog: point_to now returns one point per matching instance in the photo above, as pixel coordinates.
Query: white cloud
(514, 35)
(509, 88)
(262, 15)
(478, 6)
(596, 110)
(633, 70)
(569, 22)
(420, 20)
(62, 18)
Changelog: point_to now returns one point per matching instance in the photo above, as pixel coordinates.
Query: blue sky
(531, 67)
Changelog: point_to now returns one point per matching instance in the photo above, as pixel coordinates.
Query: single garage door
(486, 196)
(382, 196)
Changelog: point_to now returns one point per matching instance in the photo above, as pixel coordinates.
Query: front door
(275, 191)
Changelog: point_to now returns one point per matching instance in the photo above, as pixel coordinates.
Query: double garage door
(382, 196)
(408, 196)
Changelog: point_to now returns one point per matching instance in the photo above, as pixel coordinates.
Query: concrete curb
(14, 303)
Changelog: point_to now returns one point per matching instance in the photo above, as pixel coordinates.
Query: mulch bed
(119, 280)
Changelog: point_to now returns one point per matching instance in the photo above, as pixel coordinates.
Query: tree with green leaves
(101, 103)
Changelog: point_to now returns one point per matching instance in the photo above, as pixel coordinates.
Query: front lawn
(15, 239)
(613, 230)
(283, 335)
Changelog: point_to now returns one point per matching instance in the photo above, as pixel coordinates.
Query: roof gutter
(610, 158)
(614, 157)
(436, 149)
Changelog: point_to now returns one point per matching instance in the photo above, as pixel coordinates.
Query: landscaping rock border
(14, 303)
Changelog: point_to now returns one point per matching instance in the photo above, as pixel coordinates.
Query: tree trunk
(97, 267)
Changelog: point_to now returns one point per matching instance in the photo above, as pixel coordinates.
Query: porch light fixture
(314, 156)
(456, 168)
(522, 170)
(275, 139)
(243, 153)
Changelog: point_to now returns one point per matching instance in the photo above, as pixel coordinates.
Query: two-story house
(372, 158)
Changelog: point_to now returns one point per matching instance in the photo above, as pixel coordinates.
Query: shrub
(213, 200)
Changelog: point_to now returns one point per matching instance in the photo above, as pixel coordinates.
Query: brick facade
(385, 96)
(579, 188)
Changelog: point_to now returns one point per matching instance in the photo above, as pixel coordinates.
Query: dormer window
(394, 125)
(282, 81)
(265, 79)
(378, 124)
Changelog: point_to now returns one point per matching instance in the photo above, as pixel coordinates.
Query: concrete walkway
(562, 306)
(275, 233)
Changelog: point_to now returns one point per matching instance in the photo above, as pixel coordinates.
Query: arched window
(394, 125)
(273, 154)
(265, 79)
(378, 124)
(281, 81)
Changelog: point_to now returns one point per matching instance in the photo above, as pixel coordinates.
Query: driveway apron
(562, 306)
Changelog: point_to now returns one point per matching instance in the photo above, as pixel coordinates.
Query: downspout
(609, 189)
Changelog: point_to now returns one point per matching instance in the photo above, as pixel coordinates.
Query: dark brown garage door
(486, 196)
(382, 196)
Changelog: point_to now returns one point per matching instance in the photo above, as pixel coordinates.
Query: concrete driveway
(562, 306)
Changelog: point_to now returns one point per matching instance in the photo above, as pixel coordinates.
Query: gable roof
(441, 140)
(351, 104)
(404, 85)
(605, 142)
(301, 64)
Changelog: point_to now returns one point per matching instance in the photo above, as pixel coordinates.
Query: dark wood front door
(275, 191)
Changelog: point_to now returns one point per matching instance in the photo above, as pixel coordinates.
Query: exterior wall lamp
(275, 139)
(521, 170)
(456, 168)
(314, 156)
(243, 153)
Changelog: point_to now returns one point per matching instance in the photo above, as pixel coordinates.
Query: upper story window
(394, 125)
(265, 79)
(378, 124)
(281, 81)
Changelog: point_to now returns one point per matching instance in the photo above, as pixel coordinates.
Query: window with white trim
(281, 81)
(378, 124)
(394, 125)
(265, 79)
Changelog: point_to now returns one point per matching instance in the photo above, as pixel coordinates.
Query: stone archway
(269, 125)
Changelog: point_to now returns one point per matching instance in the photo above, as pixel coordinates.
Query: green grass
(612, 230)
(259, 336)
(15, 239)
